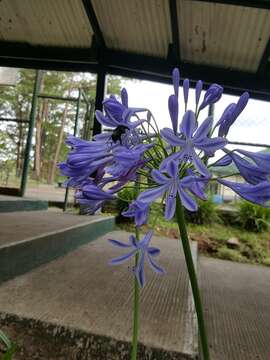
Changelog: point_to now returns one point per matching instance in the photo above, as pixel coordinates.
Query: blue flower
(176, 81)
(117, 113)
(252, 173)
(139, 210)
(173, 110)
(260, 158)
(198, 90)
(231, 113)
(145, 253)
(191, 138)
(186, 90)
(258, 194)
(92, 192)
(170, 185)
(212, 95)
(85, 157)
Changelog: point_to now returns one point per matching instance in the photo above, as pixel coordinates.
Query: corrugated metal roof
(140, 26)
(214, 34)
(45, 22)
(223, 35)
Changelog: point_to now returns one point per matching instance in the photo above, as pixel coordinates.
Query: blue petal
(260, 158)
(139, 271)
(210, 146)
(121, 259)
(153, 251)
(171, 138)
(152, 194)
(199, 86)
(146, 240)
(170, 207)
(119, 243)
(158, 177)
(173, 110)
(124, 97)
(133, 242)
(172, 169)
(186, 90)
(176, 80)
(204, 129)
(104, 120)
(154, 266)
(258, 194)
(187, 201)
(199, 165)
(188, 124)
(224, 161)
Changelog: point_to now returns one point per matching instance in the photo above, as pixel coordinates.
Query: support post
(74, 133)
(100, 92)
(28, 147)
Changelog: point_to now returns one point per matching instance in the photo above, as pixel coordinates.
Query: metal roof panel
(223, 35)
(46, 22)
(140, 26)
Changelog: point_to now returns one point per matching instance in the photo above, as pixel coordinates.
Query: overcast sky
(253, 125)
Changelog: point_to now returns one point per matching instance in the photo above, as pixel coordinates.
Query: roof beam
(234, 81)
(264, 63)
(175, 31)
(257, 4)
(130, 64)
(90, 12)
(46, 53)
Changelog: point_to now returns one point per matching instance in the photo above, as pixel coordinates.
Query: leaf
(10, 347)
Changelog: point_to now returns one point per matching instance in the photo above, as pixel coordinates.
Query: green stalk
(192, 277)
(136, 299)
(136, 309)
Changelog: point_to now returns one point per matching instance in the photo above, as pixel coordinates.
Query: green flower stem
(192, 277)
(136, 299)
(136, 308)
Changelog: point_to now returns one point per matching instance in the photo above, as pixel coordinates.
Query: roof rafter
(257, 4)
(176, 54)
(90, 12)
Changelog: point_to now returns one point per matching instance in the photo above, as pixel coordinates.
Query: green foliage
(206, 214)
(266, 261)
(9, 346)
(253, 217)
(229, 254)
(125, 197)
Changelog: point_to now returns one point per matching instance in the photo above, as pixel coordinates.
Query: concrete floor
(237, 309)
(81, 291)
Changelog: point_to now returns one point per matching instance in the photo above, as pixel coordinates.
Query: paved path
(237, 309)
(81, 291)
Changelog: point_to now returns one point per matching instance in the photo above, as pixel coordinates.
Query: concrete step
(29, 239)
(15, 204)
(78, 307)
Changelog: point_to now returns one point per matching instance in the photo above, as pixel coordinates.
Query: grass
(212, 239)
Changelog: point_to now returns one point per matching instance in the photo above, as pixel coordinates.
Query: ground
(212, 240)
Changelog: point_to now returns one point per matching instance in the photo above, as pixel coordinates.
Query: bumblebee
(118, 132)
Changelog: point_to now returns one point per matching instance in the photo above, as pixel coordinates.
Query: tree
(54, 120)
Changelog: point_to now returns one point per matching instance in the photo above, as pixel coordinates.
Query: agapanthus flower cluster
(168, 163)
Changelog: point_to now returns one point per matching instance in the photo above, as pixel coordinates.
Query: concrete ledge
(19, 257)
(71, 343)
(12, 204)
